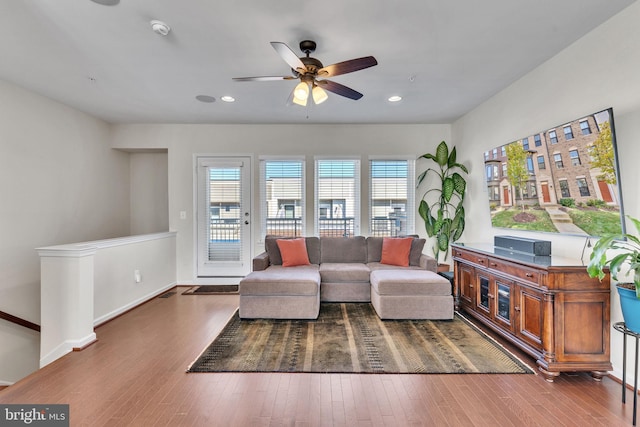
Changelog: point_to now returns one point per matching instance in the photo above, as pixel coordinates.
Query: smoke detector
(160, 27)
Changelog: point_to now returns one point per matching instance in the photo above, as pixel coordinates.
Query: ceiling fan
(312, 74)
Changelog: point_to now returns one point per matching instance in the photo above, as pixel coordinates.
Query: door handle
(246, 222)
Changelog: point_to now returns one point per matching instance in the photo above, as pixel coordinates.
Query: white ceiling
(444, 57)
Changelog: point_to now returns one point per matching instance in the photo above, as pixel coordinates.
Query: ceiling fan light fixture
(301, 92)
(319, 95)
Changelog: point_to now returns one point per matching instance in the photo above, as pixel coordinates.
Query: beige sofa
(344, 270)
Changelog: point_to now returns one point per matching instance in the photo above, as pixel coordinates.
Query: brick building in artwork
(559, 165)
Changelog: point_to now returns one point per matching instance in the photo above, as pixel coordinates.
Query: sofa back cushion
(343, 249)
(275, 258)
(374, 249)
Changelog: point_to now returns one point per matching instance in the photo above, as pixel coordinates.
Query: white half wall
(600, 70)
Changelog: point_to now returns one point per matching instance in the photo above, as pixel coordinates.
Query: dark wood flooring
(135, 376)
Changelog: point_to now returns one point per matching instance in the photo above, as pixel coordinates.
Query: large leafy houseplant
(625, 250)
(441, 204)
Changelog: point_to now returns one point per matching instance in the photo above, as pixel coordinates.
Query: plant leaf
(452, 158)
(442, 154)
(448, 186)
(443, 241)
(459, 183)
(458, 231)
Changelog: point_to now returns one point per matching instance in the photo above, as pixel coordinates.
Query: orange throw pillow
(395, 250)
(293, 252)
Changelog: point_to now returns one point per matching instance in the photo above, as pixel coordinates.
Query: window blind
(282, 196)
(391, 197)
(337, 197)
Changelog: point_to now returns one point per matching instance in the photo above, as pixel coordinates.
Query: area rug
(212, 290)
(350, 338)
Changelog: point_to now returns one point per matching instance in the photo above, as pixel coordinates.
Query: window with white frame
(337, 197)
(391, 199)
(282, 196)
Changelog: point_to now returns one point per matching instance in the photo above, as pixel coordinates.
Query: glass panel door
(224, 233)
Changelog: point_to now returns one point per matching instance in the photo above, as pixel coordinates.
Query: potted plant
(441, 204)
(625, 250)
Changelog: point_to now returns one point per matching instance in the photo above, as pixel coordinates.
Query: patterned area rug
(350, 338)
(212, 290)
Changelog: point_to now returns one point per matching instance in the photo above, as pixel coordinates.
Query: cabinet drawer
(528, 275)
(471, 257)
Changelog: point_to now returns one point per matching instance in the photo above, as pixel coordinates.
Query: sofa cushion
(374, 249)
(343, 249)
(275, 258)
(344, 272)
(293, 252)
(395, 250)
(279, 280)
(409, 282)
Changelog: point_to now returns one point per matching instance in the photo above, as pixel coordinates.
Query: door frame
(226, 280)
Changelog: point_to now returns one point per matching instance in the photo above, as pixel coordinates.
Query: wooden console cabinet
(547, 306)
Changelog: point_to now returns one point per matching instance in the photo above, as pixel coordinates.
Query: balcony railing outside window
(286, 227)
(336, 227)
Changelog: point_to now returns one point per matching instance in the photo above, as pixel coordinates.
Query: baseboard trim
(133, 304)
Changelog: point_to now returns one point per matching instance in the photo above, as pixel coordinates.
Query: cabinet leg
(548, 376)
(597, 375)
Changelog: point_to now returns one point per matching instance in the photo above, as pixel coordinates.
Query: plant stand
(620, 327)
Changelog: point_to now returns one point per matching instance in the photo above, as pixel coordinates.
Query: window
(568, 133)
(541, 164)
(575, 157)
(530, 165)
(584, 127)
(282, 197)
(553, 137)
(564, 188)
(537, 141)
(525, 143)
(503, 151)
(495, 153)
(337, 188)
(391, 197)
(486, 155)
(504, 169)
(583, 188)
(557, 158)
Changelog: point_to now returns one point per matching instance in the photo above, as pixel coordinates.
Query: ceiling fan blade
(262, 78)
(289, 56)
(347, 66)
(339, 89)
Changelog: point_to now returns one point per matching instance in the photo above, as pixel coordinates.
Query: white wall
(600, 70)
(185, 141)
(149, 195)
(60, 182)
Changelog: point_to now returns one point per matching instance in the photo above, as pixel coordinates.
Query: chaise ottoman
(411, 294)
(281, 293)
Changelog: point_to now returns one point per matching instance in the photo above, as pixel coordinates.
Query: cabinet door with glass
(494, 299)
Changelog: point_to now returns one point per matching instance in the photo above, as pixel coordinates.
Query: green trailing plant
(626, 251)
(441, 205)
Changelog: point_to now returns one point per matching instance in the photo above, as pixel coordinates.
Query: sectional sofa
(394, 275)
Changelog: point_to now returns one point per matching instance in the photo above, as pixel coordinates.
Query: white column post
(66, 300)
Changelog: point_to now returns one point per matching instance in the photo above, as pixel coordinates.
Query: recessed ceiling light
(205, 98)
(107, 2)
(395, 98)
(228, 98)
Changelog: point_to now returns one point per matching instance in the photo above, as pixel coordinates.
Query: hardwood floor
(135, 376)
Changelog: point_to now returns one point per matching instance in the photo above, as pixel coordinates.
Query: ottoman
(280, 293)
(411, 294)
